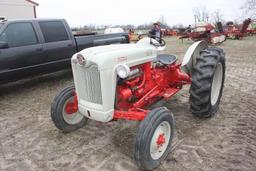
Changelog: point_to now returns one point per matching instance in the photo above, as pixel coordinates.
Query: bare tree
(217, 16)
(201, 14)
(249, 8)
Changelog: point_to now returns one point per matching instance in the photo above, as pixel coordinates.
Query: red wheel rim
(70, 108)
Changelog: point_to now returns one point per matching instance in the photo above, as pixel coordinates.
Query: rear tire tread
(202, 75)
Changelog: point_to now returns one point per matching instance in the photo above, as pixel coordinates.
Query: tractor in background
(235, 32)
(204, 31)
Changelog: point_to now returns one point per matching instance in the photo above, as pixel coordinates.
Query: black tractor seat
(166, 59)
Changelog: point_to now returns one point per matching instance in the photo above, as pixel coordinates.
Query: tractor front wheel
(154, 138)
(208, 77)
(64, 111)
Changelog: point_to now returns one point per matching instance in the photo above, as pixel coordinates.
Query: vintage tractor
(234, 32)
(121, 82)
(204, 31)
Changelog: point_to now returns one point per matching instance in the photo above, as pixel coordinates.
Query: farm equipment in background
(169, 32)
(136, 36)
(251, 30)
(204, 31)
(234, 32)
(122, 81)
(254, 27)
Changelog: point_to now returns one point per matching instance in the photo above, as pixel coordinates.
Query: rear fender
(192, 53)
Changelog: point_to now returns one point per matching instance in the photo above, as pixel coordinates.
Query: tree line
(201, 14)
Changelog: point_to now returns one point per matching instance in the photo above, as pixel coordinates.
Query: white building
(18, 9)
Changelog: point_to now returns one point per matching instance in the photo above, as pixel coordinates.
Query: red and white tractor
(204, 31)
(121, 81)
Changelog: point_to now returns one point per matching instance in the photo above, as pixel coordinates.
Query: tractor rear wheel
(154, 138)
(64, 111)
(208, 77)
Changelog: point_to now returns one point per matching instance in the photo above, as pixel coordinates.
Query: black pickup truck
(41, 46)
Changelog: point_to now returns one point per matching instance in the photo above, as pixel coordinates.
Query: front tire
(208, 77)
(154, 138)
(64, 113)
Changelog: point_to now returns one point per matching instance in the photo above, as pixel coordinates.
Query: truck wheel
(154, 138)
(64, 111)
(208, 77)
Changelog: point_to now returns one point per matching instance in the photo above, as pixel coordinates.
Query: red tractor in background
(204, 31)
(234, 32)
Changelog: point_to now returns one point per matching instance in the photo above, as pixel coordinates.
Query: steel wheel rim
(216, 83)
(73, 118)
(157, 151)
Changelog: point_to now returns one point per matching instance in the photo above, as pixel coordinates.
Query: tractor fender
(189, 59)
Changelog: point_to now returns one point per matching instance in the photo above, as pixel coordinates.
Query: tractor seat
(166, 59)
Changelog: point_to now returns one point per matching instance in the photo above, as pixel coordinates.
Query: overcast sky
(112, 12)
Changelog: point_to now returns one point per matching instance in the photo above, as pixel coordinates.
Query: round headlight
(123, 71)
(80, 59)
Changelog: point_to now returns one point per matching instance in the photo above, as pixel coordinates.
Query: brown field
(30, 141)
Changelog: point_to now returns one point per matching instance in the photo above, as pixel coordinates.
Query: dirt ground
(30, 141)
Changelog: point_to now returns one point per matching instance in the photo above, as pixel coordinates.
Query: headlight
(123, 71)
(80, 59)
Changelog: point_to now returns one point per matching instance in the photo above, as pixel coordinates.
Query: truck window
(19, 34)
(53, 31)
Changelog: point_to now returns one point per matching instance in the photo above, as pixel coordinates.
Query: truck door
(23, 49)
(58, 44)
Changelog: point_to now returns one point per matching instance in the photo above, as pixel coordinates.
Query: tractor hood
(107, 57)
(94, 71)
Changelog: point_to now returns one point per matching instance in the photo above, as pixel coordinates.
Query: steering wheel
(155, 42)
